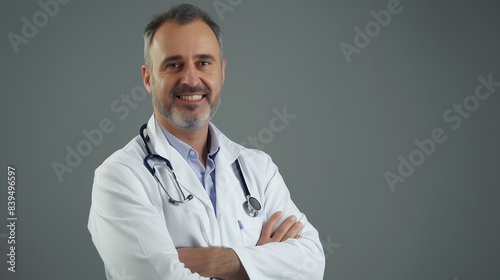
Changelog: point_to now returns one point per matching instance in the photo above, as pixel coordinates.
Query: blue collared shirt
(206, 175)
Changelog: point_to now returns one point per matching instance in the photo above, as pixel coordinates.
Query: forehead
(188, 39)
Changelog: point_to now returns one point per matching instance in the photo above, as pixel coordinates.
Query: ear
(224, 62)
(146, 78)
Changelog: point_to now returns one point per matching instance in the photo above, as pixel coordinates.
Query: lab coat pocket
(250, 229)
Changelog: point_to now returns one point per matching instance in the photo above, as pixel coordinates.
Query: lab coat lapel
(185, 174)
(226, 180)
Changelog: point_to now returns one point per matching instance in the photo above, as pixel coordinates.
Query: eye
(173, 66)
(204, 63)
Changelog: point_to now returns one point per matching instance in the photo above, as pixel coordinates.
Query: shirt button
(191, 152)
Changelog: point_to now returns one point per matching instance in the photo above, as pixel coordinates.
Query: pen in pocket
(240, 224)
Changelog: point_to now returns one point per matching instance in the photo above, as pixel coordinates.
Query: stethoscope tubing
(251, 205)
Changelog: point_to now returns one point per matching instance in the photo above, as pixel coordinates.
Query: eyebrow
(205, 56)
(171, 58)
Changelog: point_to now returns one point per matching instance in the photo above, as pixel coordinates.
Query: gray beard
(174, 115)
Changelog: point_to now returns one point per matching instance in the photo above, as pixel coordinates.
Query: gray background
(352, 122)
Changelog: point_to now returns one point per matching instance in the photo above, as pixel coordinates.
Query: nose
(190, 76)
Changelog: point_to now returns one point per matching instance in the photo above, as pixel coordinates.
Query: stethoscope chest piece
(252, 206)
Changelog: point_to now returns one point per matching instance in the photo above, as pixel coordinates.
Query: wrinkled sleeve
(301, 258)
(128, 231)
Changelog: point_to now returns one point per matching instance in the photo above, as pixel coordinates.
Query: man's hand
(213, 262)
(290, 228)
(224, 263)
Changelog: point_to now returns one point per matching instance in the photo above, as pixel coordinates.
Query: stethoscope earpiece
(180, 202)
(152, 170)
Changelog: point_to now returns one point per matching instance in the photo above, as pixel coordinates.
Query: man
(226, 213)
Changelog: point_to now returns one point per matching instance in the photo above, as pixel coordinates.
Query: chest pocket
(250, 229)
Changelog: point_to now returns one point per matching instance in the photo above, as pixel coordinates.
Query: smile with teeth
(191, 97)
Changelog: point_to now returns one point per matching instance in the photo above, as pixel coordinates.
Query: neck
(197, 139)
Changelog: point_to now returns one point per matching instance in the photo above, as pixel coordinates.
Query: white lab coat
(136, 230)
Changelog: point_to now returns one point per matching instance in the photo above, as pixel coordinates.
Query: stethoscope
(251, 206)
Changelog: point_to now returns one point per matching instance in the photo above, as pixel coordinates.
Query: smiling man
(181, 200)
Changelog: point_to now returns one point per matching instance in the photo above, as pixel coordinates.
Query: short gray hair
(182, 14)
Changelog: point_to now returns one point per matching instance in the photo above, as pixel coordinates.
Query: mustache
(181, 89)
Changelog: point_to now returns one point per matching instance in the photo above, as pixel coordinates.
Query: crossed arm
(223, 263)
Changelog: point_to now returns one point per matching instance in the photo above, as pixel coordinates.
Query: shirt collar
(185, 150)
(214, 142)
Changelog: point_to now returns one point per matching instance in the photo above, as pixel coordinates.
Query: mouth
(194, 97)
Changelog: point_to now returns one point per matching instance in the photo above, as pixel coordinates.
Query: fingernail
(294, 218)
